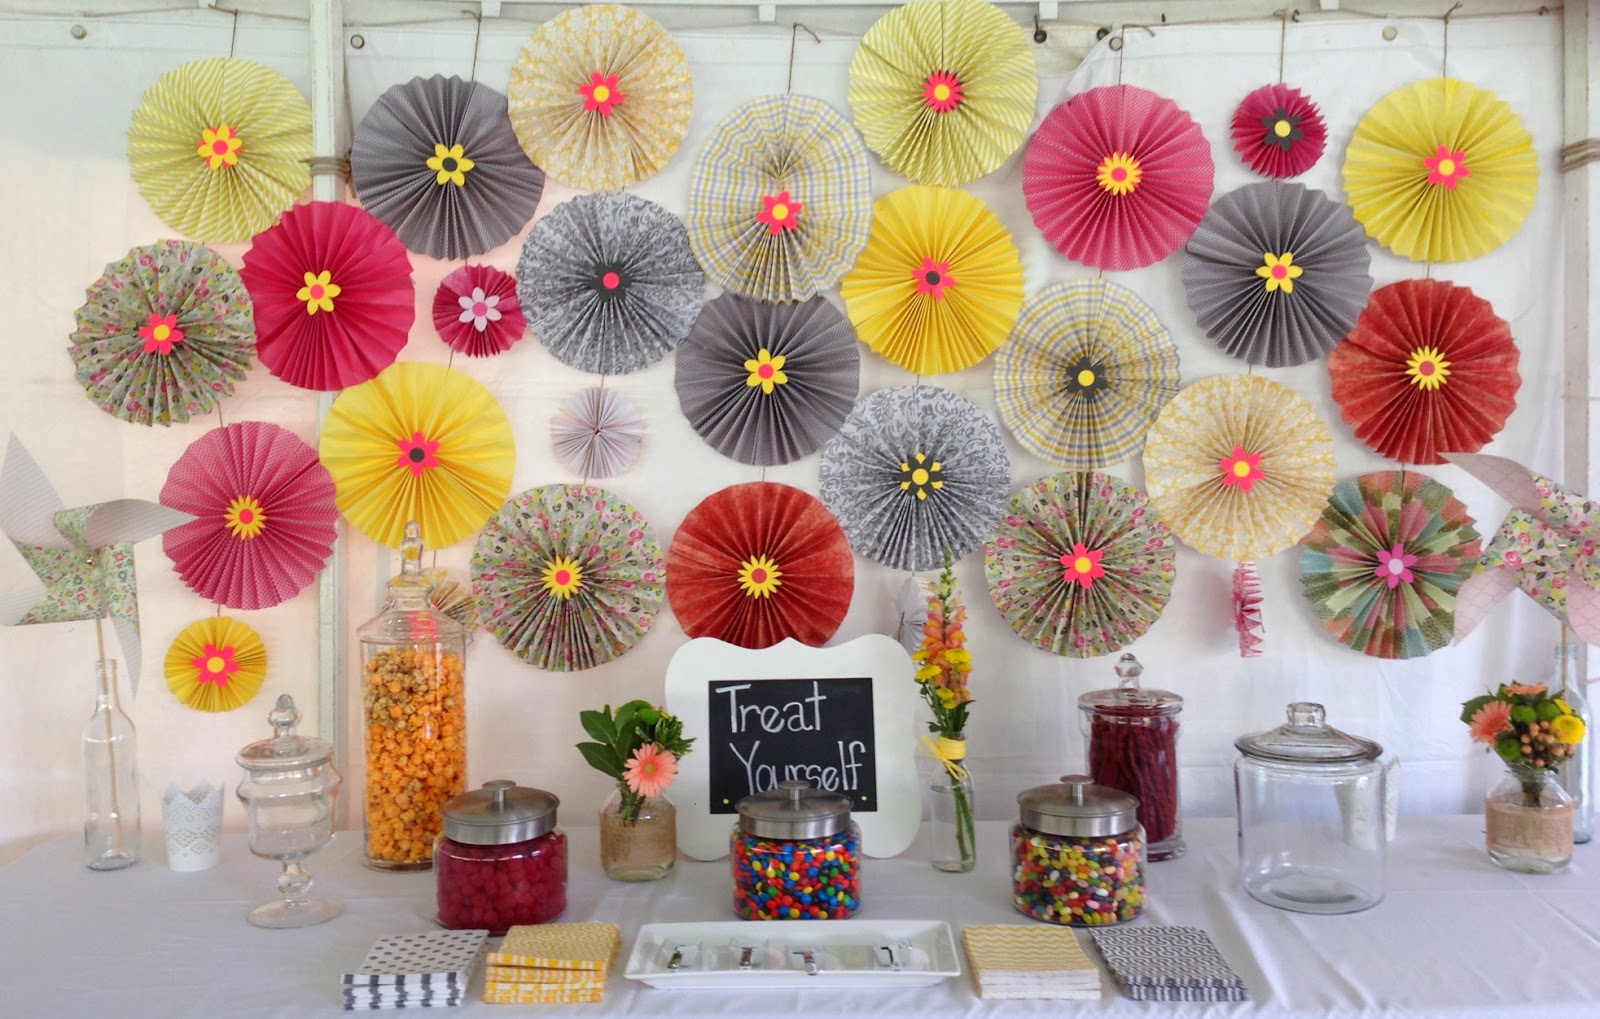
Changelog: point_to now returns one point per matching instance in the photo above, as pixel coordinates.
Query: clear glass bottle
(501, 861)
(1577, 771)
(1528, 821)
(952, 831)
(638, 836)
(414, 714)
(796, 855)
(110, 779)
(1131, 737)
(1077, 854)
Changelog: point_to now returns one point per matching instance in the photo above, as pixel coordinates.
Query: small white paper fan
(598, 433)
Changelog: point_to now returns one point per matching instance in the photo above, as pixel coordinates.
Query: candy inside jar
(1077, 854)
(796, 855)
(501, 860)
(1132, 737)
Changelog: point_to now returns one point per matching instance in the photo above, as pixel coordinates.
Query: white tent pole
(1580, 165)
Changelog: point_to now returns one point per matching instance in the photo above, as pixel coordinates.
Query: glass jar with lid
(1131, 737)
(796, 855)
(1077, 854)
(501, 861)
(1311, 815)
(413, 711)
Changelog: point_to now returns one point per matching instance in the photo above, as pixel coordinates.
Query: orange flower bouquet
(943, 664)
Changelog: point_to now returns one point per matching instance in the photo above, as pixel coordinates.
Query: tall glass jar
(1131, 734)
(110, 779)
(1528, 821)
(952, 831)
(1577, 771)
(413, 709)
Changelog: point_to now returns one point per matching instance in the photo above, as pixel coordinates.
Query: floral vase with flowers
(943, 664)
(639, 747)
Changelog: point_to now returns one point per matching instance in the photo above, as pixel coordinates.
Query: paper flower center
(1282, 130)
(449, 165)
(1446, 167)
(766, 370)
(1086, 377)
(479, 308)
(610, 283)
(1427, 368)
(244, 518)
(219, 147)
(417, 454)
(1082, 565)
(779, 212)
(160, 334)
(941, 91)
(1119, 173)
(921, 474)
(1279, 271)
(600, 94)
(214, 665)
(932, 278)
(1240, 469)
(759, 577)
(318, 292)
(1394, 566)
(562, 576)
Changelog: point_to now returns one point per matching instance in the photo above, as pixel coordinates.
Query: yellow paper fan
(220, 147)
(939, 284)
(943, 90)
(420, 442)
(216, 664)
(600, 97)
(1440, 171)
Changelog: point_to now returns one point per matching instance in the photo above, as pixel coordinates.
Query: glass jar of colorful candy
(796, 855)
(501, 861)
(1131, 733)
(1077, 854)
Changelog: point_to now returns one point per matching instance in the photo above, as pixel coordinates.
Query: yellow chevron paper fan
(216, 664)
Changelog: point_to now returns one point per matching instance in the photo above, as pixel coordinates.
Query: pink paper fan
(333, 296)
(264, 512)
(1247, 609)
(1278, 132)
(476, 312)
(1117, 177)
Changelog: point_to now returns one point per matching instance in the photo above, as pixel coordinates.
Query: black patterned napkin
(1169, 964)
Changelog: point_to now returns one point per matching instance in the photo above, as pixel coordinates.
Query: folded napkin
(415, 970)
(1028, 961)
(552, 963)
(1169, 964)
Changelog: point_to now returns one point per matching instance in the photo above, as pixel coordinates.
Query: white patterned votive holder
(192, 823)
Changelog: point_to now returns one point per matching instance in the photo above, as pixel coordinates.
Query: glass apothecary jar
(1311, 821)
(501, 861)
(1077, 854)
(796, 855)
(413, 709)
(1131, 737)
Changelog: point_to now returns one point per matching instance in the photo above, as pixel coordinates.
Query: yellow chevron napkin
(1028, 961)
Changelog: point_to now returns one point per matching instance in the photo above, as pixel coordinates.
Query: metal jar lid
(1079, 808)
(499, 814)
(794, 810)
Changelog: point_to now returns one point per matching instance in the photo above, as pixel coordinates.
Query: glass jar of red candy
(796, 855)
(501, 860)
(1132, 739)
(1077, 854)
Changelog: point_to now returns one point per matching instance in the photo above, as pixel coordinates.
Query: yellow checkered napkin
(571, 978)
(535, 994)
(564, 946)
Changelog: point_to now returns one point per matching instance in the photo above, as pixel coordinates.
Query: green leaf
(1471, 707)
(601, 758)
(599, 725)
(626, 715)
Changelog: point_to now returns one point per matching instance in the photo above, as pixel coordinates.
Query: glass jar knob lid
(287, 749)
(499, 813)
(1307, 738)
(794, 810)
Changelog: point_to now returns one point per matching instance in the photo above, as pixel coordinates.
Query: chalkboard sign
(762, 732)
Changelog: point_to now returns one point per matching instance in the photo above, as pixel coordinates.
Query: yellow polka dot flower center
(562, 576)
(318, 292)
(766, 371)
(1119, 173)
(449, 165)
(1427, 368)
(244, 517)
(1279, 271)
(759, 577)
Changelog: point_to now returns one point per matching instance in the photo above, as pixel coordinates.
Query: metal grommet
(1389, 33)
(357, 41)
(1101, 33)
(79, 32)
(1116, 43)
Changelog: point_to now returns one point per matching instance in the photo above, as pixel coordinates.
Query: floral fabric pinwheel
(476, 311)
(216, 664)
(1278, 132)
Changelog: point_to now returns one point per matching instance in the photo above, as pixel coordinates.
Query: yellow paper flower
(1427, 368)
(765, 371)
(758, 577)
(562, 576)
(449, 165)
(1567, 728)
(219, 147)
(318, 293)
(1119, 173)
(244, 517)
(918, 473)
(1279, 271)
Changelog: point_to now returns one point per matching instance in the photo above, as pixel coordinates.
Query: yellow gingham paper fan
(600, 97)
(216, 664)
(943, 90)
(939, 284)
(220, 147)
(1440, 171)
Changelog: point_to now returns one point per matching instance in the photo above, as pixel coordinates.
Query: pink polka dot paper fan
(476, 312)
(1278, 132)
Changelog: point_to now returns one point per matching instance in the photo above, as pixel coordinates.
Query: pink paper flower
(941, 91)
(1240, 469)
(1082, 565)
(1394, 566)
(779, 212)
(600, 93)
(214, 665)
(417, 453)
(479, 308)
(1446, 168)
(1489, 721)
(161, 334)
(932, 277)
(650, 770)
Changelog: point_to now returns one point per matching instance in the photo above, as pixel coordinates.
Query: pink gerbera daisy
(650, 770)
(1490, 721)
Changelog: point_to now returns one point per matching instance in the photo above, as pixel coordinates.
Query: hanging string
(794, 41)
(1444, 72)
(477, 36)
(233, 35)
(1283, 37)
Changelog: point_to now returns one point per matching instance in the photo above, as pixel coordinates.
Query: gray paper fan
(914, 472)
(766, 384)
(439, 201)
(608, 283)
(1256, 305)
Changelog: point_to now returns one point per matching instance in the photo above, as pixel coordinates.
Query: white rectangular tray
(842, 952)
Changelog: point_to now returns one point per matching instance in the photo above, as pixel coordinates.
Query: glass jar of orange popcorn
(413, 712)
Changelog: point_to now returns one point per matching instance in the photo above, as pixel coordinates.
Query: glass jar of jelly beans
(796, 855)
(1077, 854)
(501, 861)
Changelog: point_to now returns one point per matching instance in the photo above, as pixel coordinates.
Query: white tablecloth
(1455, 936)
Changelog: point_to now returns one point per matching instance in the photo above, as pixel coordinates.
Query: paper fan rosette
(220, 146)
(943, 90)
(914, 473)
(1117, 177)
(597, 433)
(1277, 273)
(476, 311)
(1428, 369)
(767, 384)
(568, 576)
(420, 442)
(164, 334)
(264, 515)
(333, 296)
(1085, 373)
(939, 284)
(1278, 132)
(1440, 171)
(780, 199)
(1382, 565)
(756, 563)
(1080, 565)
(608, 283)
(600, 96)
(1238, 466)
(216, 664)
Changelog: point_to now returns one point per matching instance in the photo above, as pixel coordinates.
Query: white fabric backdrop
(72, 208)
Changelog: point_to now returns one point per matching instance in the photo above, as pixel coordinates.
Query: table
(1455, 936)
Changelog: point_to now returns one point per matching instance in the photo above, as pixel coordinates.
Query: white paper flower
(479, 308)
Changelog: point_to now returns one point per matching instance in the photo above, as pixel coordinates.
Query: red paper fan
(264, 515)
(1117, 177)
(1428, 369)
(476, 312)
(1278, 132)
(333, 296)
(758, 562)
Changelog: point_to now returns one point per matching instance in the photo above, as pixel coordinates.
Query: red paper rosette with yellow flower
(216, 664)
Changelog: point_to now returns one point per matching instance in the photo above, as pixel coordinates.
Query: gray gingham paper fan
(767, 384)
(1277, 273)
(435, 159)
(915, 472)
(608, 283)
